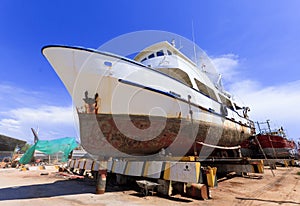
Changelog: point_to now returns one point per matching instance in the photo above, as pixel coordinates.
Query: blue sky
(254, 43)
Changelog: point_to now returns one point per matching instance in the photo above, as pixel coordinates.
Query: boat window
(207, 91)
(226, 101)
(151, 56)
(144, 59)
(177, 74)
(108, 64)
(160, 53)
(169, 53)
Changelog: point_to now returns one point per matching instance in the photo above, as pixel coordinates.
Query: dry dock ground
(32, 188)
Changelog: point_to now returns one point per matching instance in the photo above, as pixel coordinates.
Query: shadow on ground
(172, 198)
(273, 201)
(58, 188)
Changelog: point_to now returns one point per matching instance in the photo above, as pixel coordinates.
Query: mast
(268, 123)
(193, 34)
(258, 127)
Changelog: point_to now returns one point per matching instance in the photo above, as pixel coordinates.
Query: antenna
(180, 45)
(173, 42)
(193, 35)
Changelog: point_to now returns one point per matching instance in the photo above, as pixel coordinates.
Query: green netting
(49, 147)
(28, 155)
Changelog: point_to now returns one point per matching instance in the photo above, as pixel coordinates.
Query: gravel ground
(32, 188)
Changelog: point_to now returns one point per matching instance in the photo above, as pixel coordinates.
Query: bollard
(292, 162)
(101, 182)
(198, 191)
(211, 173)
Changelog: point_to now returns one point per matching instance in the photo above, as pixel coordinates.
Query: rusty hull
(101, 135)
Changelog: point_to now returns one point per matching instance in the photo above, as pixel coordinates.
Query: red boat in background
(274, 144)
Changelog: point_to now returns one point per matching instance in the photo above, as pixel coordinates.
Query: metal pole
(258, 127)
(271, 142)
(101, 180)
(192, 122)
(264, 155)
(268, 123)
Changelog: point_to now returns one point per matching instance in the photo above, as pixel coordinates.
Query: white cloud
(278, 103)
(22, 109)
(10, 124)
(44, 114)
(13, 96)
(52, 121)
(227, 65)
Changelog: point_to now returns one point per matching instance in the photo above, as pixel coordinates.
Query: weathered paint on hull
(122, 135)
(273, 146)
(273, 141)
(279, 152)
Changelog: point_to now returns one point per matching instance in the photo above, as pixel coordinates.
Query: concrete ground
(39, 188)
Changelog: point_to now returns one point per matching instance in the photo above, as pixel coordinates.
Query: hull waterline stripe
(148, 88)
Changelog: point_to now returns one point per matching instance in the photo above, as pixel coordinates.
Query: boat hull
(126, 108)
(273, 146)
(277, 152)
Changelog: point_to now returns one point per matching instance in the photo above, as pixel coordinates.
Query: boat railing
(273, 132)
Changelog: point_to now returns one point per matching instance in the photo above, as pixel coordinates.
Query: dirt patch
(29, 187)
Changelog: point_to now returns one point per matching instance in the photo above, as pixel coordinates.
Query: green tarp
(28, 155)
(49, 147)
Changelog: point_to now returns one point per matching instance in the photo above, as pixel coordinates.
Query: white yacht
(160, 101)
